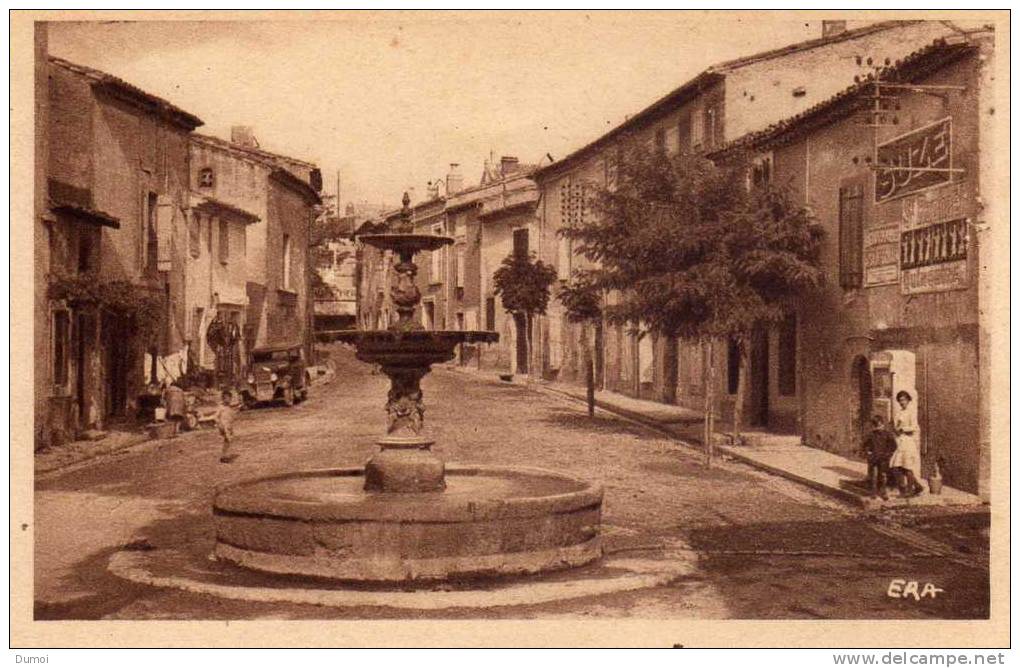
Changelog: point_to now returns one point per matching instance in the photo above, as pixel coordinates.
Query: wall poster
(934, 242)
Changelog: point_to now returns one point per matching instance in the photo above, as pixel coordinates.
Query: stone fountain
(406, 515)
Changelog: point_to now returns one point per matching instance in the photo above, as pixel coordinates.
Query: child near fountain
(225, 415)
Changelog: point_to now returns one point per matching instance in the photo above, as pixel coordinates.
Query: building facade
(902, 194)
(336, 262)
(722, 103)
(216, 280)
(115, 216)
(280, 194)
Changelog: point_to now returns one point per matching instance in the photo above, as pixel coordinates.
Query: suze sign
(917, 160)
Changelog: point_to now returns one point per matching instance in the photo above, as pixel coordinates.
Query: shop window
(851, 235)
(788, 357)
(61, 345)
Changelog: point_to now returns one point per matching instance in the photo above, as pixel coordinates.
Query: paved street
(763, 547)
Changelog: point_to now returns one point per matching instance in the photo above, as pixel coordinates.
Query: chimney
(508, 165)
(243, 135)
(830, 28)
(454, 179)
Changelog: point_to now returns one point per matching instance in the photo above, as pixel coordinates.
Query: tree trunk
(708, 383)
(742, 371)
(528, 348)
(587, 352)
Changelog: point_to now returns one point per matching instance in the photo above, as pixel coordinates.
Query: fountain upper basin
(401, 242)
(410, 347)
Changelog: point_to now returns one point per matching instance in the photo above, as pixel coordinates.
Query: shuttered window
(490, 313)
(225, 243)
(61, 346)
(521, 242)
(851, 235)
(732, 366)
(684, 133)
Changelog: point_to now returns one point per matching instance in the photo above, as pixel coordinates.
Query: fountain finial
(406, 225)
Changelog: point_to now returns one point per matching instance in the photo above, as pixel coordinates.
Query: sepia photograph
(637, 328)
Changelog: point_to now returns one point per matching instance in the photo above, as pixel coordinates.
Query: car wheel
(190, 422)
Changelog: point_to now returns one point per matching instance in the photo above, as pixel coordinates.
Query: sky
(390, 99)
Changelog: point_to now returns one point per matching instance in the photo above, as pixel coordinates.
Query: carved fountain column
(405, 462)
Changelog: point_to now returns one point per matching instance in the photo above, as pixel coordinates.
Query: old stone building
(898, 170)
(114, 221)
(507, 224)
(216, 278)
(722, 103)
(280, 194)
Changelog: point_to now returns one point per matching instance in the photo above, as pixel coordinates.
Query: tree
(523, 283)
(694, 252)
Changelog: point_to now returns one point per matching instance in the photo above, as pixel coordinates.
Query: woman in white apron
(907, 457)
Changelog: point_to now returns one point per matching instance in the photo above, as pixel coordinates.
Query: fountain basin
(489, 521)
(410, 348)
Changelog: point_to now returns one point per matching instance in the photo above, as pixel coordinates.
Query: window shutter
(684, 134)
(164, 232)
(851, 235)
(224, 241)
(521, 242)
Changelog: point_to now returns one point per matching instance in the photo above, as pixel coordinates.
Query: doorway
(861, 381)
(521, 339)
(117, 341)
(759, 377)
(80, 362)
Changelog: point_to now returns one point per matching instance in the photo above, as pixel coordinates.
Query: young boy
(879, 446)
(225, 423)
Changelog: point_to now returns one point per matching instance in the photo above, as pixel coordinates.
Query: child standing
(879, 446)
(225, 415)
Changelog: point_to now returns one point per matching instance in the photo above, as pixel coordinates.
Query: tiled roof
(709, 76)
(256, 153)
(123, 89)
(288, 179)
(213, 203)
(938, 53)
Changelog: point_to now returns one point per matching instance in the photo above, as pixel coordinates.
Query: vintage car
(274, 374)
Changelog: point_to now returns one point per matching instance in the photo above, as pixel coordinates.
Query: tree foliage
(581, 299)
(696, 252)
(523, 283)
(145, 306)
